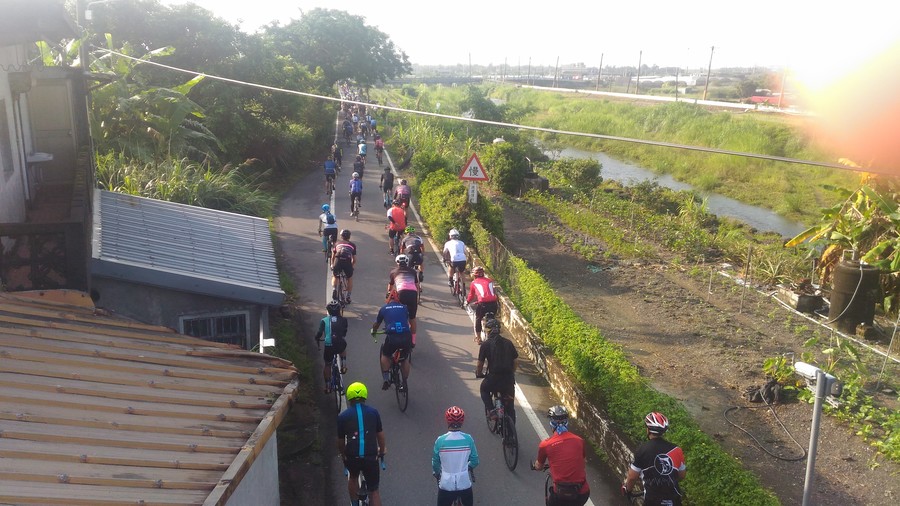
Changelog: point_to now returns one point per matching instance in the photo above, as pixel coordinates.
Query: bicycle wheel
(493, 425)
(337, 388)
(510, 443)
(461, 294)
(402, 395)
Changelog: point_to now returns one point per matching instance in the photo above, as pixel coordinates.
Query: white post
(473, 192)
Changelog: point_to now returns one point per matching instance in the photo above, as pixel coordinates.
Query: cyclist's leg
(387, 350)
(404, 364)
(326, 370)
(479, 316)
(352, 479)
(485, 390)
(348, 271)
(508, 394)
(372, 473)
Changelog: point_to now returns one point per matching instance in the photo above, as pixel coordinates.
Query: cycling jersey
(412, 244)
(358, 426)
(397, 219)
(456, 249)
(362, 149)
(356, 186)
(387, 180)
(482, 290)
(404, 278)
(324, 218)
(454, 453)
(402, 191)
(379, 144)
(658, 462)
(395, 317)
(565, 453)
(332, 328)
(330, 167)
(344, 250)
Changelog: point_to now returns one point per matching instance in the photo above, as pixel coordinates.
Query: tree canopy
(342, 45)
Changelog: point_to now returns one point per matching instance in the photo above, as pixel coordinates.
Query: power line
(514, 125)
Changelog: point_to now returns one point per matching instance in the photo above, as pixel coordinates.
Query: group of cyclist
(360, 436)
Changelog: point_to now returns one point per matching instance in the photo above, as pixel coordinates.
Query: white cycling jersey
(456, 249)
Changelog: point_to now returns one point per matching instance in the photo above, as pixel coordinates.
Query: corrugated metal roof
(185, 248)
(97, 410)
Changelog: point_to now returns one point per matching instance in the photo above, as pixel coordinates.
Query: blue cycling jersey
(356, 186)
(330, 167)
(395, 317)
(362, 149)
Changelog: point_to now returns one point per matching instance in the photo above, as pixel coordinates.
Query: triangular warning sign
(473, 170)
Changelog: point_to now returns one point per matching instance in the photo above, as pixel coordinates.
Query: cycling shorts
(330, 232)
(368, 466)
(394, 342)
(329, 176)
(457, 266)
(343, 265)
(410, 299)
(338, 345)
(415, 258)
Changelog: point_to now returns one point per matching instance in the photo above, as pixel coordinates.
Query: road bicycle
(500, 423)
(395, 242)
(354, 207)
(329, 249)
(396, 376)
(379, 154)
(458, 288)
(340, 291)
(336, 384)
(388, 198)
(329, 184)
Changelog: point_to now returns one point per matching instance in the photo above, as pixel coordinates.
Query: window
(6, 163)
(230, 328)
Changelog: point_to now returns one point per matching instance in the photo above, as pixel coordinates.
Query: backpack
(502, 357)
(329, 218)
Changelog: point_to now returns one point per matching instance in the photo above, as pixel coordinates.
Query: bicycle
(396, 377)
(458, 290)
(395, 242)
(329, 184)
(363, 493)
(354, 207)
(549, 483)
(504, 426)
(336, 385)
(387, 198)
(341, 290)
(379, 154)
(329, 249)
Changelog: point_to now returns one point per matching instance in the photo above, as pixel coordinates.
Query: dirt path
(704, 349)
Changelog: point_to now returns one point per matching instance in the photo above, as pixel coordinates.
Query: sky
(790, 33)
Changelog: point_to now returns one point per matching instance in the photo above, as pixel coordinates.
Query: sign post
(473, 172)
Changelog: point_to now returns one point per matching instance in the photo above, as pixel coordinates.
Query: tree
(580, 174)
(507, 165)
(342, 45)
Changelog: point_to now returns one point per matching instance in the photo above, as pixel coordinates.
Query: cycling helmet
(492, 324)
(356, 175)
(455, 417)
(408, 230)
(345, 234)
(357, 391)
(402, 260)
(396, 202)
(478, 271)
(558, 415)
(656, 423)
(333, 307)
(325, 207)
(402, 181)
(454, 234)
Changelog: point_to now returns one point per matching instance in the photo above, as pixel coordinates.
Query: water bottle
(498, 406)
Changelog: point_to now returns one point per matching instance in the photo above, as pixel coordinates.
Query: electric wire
(509, 125)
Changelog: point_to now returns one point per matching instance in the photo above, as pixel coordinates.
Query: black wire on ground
(786, 431)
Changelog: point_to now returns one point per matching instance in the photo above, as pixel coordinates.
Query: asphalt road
(443, 361)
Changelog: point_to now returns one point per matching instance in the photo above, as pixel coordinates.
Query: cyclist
(344, 260)
(361, 443)
(327, 226)
(387, 184)
(334, 330)
(402, 193)
(454, 255)
(364, 128)
(453, 456)
(374, 124)
(565, 453)
(359, 165)
(482, 296)
(404, 280)
(502, 358)
(348, 130)
(659, 464)
(379, 143)
(362, 147)
(330, 170)
(396, 223)
(355, 119)
(395, 317)
(337, 153)
(414, 247)
(355, 189)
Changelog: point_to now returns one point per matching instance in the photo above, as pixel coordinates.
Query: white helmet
(454, 234)
(356, 175)
(402, 260)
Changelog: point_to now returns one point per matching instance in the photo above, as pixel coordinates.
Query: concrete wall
(593, 422)
(259, 487)
(161, 306)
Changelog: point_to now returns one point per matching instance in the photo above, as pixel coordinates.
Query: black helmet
(345, 234)
(558, 415)
(492, 323)
(333, 307)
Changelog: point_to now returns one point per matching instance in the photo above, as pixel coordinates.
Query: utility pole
(600, 72)
(528, 79)
(783, 80)
(503, 74)
(637, 85)
(556, 74)
(470, 64)
(708, 71)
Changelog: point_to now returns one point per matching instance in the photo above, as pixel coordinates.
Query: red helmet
(455, 417)
(656, 423)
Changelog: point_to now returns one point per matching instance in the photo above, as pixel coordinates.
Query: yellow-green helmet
(357, 391)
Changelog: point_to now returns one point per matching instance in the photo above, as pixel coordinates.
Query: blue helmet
(325, 207)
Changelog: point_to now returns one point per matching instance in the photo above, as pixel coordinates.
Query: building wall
(161, 306)
(12, 195)
(259, 487)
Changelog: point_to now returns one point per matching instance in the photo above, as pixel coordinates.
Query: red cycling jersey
(482, 290)
(565, 453)
(397, 219)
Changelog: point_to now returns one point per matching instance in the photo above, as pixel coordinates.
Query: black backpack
(329, 218)
(502, 357)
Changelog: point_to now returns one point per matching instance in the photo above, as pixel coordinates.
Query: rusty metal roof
(98, 410)
(185, 248)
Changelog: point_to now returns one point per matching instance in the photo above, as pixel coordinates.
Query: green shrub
(507, 166)
(444, 204)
